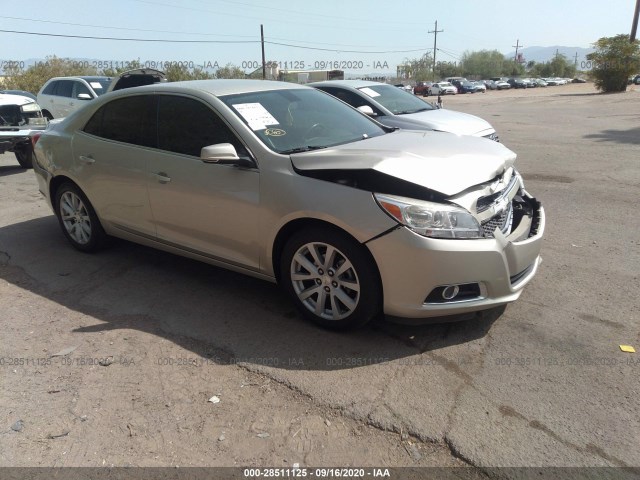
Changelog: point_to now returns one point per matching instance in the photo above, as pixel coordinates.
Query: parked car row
(462, 85)
(351, 215)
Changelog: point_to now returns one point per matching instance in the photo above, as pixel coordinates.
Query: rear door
(62, 100)
(111, 155)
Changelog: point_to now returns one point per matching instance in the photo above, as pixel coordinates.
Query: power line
(299, 12)
(124, 28)
(160, 40)
(153, 40)
(175, 32)
(278, 19)
(343, 51)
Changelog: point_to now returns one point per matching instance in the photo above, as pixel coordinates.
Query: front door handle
(162, 177)
(87, 159)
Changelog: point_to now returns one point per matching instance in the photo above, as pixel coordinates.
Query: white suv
(61, 96)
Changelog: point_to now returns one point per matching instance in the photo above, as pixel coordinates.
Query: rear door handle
(162, 177)
(87, 159)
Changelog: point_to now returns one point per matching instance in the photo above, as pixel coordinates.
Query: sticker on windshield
(256, 115)
(274, 132)
(369, 92)
(95, 85)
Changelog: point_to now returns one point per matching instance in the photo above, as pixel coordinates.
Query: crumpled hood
(6, 99)
(441, 162)
(450, 121)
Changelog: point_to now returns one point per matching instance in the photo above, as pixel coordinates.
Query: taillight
(34, 139)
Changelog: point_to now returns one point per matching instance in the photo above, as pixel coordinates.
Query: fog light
(450, 292)
(454, 293)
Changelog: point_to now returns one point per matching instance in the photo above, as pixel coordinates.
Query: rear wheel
(78, 219)
(331, 278)
(24, 155)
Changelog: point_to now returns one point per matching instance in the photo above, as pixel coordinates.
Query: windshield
(397, 101)
(298, 120)
(98, 84)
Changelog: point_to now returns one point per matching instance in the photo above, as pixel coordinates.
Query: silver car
(394, 108)
(286, 183)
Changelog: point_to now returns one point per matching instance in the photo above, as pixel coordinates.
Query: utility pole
(634, 26)
(435, 46)
(575, 61)
(264, 65)
(517, 46)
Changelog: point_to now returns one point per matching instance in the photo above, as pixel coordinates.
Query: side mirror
(84, 96)
(367, 110)
(224, 154)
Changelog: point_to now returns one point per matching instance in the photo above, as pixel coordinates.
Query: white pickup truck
(20, 117)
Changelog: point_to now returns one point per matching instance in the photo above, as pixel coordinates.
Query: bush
(614, 61)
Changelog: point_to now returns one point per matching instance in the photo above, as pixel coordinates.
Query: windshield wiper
(302, 149)
(407, 112)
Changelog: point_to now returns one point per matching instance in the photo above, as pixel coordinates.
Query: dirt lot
(111, 359)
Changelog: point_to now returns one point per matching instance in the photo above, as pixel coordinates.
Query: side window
(186, 126)
(65, 88)
(351, 98)
(51, 88)
(128, 120)
(78, 88)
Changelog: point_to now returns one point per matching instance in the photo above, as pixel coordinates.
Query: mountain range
(546, 54)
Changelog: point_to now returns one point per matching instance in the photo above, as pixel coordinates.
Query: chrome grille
(502, 221)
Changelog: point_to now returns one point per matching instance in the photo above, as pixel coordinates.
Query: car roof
(216, 87)
(88, 78)
(347, 83)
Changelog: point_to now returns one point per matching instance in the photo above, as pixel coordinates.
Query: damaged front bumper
(426, 277)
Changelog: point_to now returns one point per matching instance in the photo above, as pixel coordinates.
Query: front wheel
(78, 219)
(24, 155)
(331, 278)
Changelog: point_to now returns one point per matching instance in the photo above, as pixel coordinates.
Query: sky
(360, 35)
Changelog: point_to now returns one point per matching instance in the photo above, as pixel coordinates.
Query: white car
(61, 96)
(442, 88)
(394, 108)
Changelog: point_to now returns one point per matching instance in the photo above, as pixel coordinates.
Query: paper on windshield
(369, 92)
(95, 85)
(256, 115)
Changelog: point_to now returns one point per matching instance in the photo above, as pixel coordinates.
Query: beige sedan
(286, 183)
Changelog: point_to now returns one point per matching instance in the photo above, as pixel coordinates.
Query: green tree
(560, 66)
(230, 71)
(34, 77)
(614, 61)
(448, 69)
(483, 64)
(419, 69)
(178, 73)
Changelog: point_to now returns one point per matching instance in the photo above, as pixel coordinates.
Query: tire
(78, 219)
(337, 291)
(24, 155)
(47, 114)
